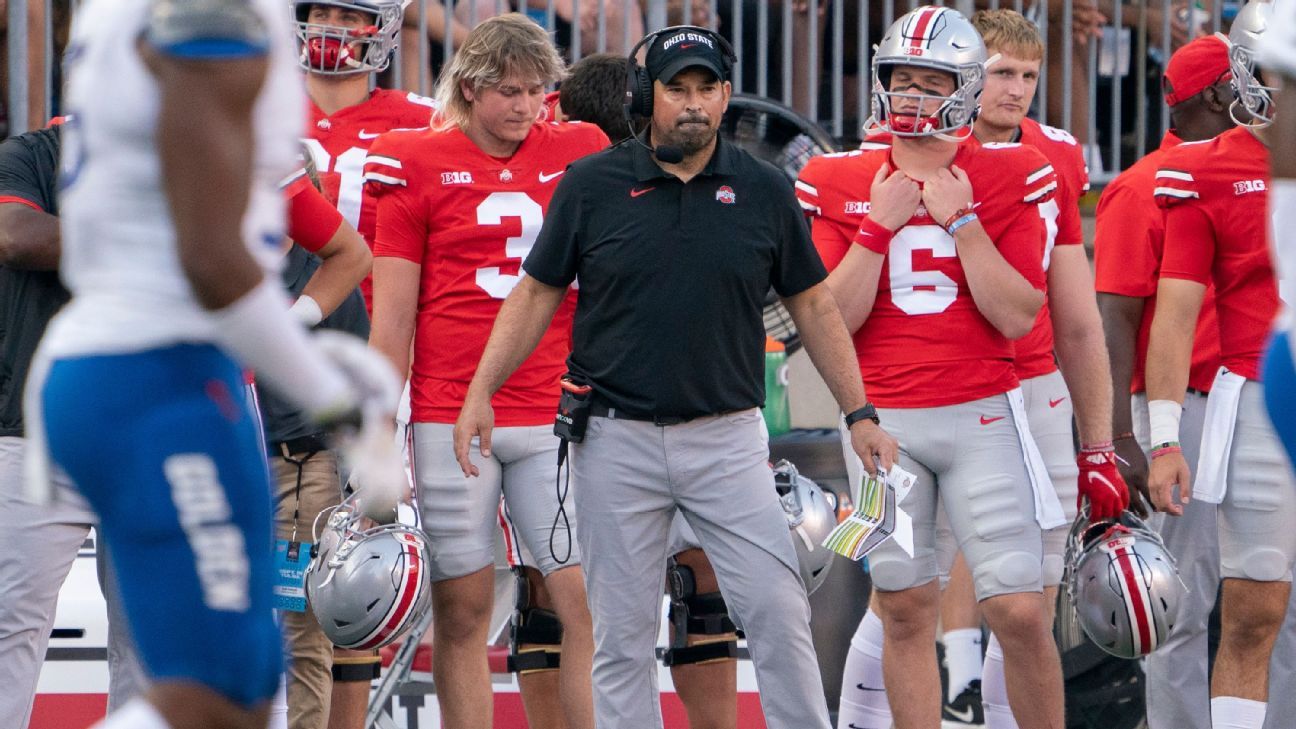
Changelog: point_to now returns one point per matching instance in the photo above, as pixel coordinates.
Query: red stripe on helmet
(921, 24)
(411, 578)
(1125, 560)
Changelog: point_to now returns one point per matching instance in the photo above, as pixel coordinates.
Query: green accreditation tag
(291, 561)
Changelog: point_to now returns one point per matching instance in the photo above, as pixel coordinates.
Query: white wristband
(258, 332)
(1163, 417)
(307, 310)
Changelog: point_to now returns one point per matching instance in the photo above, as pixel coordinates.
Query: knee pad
(1054, 556)
(1260, 564)
(699, 614)
(1006, 573)
(356, 669)
(538, 629)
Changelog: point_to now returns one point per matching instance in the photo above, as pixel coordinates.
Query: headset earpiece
(639, 87)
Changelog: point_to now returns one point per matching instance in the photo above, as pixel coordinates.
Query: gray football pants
(631, 477)
(1178, 685)
(38, 543)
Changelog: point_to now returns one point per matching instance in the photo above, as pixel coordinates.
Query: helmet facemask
(952, 112)
(334, 50)
(1249, 92)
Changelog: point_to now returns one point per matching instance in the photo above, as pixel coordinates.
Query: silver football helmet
(334, 50)
(1123, 584)
(931, 37)
(810, 516)
(1244, 47)
(367, 586)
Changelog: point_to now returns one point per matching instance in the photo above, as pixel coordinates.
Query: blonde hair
(505, 45)
(1009, 32)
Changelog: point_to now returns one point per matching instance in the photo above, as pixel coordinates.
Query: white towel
(1048, 510)
(1217, 437)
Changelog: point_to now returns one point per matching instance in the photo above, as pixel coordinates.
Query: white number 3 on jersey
(492, 211)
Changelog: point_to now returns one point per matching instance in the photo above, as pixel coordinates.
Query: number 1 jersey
(469, 219)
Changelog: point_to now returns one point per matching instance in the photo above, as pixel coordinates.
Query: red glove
(1101, 482)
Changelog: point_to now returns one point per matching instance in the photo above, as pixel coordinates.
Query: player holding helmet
(937, 278)
(1214, 194)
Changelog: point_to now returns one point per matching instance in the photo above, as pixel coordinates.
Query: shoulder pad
(207, 29)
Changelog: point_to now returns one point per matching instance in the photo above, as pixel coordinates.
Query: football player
(341, 45)
(137, 390)
(1128, 244)
(939, 275)
(460, 206)
(1214, 194)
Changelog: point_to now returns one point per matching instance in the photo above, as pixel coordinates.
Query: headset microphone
(663, 153)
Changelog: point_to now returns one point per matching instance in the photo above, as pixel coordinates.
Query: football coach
(676, 239)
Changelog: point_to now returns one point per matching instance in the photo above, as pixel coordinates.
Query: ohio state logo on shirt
(725, 194)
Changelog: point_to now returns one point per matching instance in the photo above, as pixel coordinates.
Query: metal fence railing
(1101, 82)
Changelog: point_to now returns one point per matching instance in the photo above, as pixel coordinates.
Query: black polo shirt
(673, 276)
(28, 299)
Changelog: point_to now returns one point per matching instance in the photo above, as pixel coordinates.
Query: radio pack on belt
(573, 408)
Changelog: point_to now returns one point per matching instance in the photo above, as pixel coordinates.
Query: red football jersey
(1215, 194)
(469, 220)
(1128, 245)
(925, 344)
(1034, 352)
(339, 144)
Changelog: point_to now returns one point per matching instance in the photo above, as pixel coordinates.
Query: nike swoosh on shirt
(545, 178)
(987, 421)
(1055, 403)
(862, 687)
(368, 135)
(637, 193)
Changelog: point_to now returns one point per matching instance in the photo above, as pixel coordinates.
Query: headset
(639, 85)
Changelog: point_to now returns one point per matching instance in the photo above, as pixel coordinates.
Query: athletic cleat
(965, 709)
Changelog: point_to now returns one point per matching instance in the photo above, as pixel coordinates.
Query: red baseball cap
(1202, 62)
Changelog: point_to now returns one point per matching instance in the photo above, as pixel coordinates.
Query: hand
(947, 192)
(871, 442)
(1180, 33)
(375, 385)
(1134, 469)
(1168, 471)
(675, 13)
(476, 419)
(1086, 21)
(893, 198)
(1101, 484)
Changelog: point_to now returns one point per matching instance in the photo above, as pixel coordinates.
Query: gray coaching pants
(38, 543)
(632, 478)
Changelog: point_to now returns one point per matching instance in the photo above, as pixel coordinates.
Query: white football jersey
(120, 258)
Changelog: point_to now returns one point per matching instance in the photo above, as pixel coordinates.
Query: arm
(436, 19)
(854, 285)
(345, 261)
(523, 319)
(826, 341)
(395, 308)
(1168, 361)
(29, 238)
(1121, 316)
(1079, 342)
(1002, 294)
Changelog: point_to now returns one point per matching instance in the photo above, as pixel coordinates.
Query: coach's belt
(603, 410)
(294, 446)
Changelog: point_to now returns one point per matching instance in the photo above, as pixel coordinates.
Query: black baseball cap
(674, 52)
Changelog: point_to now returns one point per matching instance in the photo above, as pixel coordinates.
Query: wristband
(1104, 447)
(873, 236)
(1163, 417)
(960, 213)
(953, 227)
(307, 310)
(1166, 449)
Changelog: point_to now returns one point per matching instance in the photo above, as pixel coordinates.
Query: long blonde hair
(509, 44)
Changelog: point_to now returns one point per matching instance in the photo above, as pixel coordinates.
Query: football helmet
(1244, 47)
(1122, 583)
(931, 37)
(334, 50)
(810, 516)
(367, 586)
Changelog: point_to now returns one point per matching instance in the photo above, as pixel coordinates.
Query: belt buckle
(662, 421)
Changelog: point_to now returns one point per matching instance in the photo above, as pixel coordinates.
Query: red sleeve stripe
(1041, 192)
(1039, 174)
(21, 201)
(1172, 192)
(385, 179)
(1174, 175)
